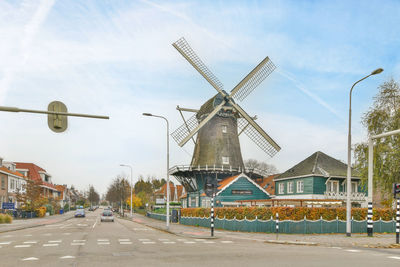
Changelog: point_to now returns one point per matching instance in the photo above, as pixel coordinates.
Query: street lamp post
(168, 190)
(348, 186)
(126, 165)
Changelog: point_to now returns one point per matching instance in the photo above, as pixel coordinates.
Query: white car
(107, 216)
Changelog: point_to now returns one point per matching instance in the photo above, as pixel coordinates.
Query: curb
(32, 226)
(282, 242)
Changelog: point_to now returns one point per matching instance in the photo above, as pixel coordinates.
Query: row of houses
(319, 180)
(14, 177)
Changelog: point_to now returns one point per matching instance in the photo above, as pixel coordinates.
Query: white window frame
(300, 186)
(330, 186)
(225, 160)
(224, 128)
(290, 187)
(281, 188)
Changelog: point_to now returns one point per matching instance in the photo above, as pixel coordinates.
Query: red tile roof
(4, 169)
(33, 173)
(271, 183)
(163, 190)
(227, 181)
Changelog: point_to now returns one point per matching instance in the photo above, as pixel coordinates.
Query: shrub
(40, 212)
(49, 209)
(289, 213)
(66, 207)
(5, 218)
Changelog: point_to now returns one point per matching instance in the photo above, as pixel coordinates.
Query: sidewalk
(330, 240)
(20, 224)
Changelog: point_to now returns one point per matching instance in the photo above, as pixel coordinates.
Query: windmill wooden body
(216, 126)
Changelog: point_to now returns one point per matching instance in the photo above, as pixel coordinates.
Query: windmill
(218, 124)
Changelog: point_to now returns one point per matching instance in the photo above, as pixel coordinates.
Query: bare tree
(262, 166)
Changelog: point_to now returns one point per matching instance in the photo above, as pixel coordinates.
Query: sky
(115, 58)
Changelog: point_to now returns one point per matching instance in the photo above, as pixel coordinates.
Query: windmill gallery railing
(214, 168)
(354, 196)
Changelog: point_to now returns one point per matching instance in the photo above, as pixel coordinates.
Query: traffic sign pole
(398, 221)
(212, 214)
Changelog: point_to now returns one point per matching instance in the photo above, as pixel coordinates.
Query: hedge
(5, 218)
(289, 213)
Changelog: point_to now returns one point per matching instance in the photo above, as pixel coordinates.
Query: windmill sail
(184, 130)
(187, 52)
(253, 79)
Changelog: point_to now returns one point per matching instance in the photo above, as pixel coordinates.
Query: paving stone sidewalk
(333, 240)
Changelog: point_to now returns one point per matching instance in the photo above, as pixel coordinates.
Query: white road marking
(103, 243)
(336, 247)
(66, 233)
(189, 242)
(122, 240)
(169, 242)
(79, 240)
(8, 236)
(54, 241)
(30, 259)
(125, 243)
(144, 239)
(94, 224)
(394, 257)
(30, 242)
(5, 243)
(77, 244)
(67, 257)
(50, 245)
(200, 240)
(142, 229)
(82, 224)
(226, 242)
(353, 250)
(148, 242)
(209, 242)
(102, 240)
(181, 239)
(27, 235)
(22, 246)
(48, 234)
(163, 239)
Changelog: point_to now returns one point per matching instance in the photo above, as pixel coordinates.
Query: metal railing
(220, 168)
(354, 196)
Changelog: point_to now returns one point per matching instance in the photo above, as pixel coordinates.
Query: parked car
(91, 209)
(107, 215)
(80, 213)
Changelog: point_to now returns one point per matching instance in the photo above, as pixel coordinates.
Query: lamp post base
(348, 234)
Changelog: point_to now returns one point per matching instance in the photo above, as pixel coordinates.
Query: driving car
(107, 215)
(80, 213)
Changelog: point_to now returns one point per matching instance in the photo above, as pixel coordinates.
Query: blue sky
(115, 58)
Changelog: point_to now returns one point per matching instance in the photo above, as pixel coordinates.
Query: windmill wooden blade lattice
(184, 130)
(253, 79)
(257, 138)
(187, 52)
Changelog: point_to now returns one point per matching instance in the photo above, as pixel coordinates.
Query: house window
(332, 186)
(354, 187)
(281, 188)
(290, 187)
(300, 186)
(3, 183)
(224, 129)
(225, 160)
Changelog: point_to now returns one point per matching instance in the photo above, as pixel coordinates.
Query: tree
(383, 116)
(31, 195)
(265, 167)
(136, 202)
(93, 196)
(118, 191)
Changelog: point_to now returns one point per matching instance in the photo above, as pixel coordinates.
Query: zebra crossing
(107, 241)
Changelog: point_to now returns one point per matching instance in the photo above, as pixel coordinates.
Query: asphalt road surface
(89, 242)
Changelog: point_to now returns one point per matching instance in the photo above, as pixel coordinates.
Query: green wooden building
(319, 177)
(238, 187)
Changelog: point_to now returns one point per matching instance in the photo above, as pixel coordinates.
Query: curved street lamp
(348, 186)
(126, 165)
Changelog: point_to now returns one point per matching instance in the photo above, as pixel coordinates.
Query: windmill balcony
(355, 196)
(214, 168)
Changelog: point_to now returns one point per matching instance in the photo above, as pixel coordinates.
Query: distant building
(318, 177)
(13, 182)
(176, 191)
(36, 173)
(64, 196)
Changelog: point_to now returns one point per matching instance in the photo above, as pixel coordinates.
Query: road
(89, 242)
